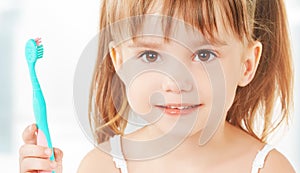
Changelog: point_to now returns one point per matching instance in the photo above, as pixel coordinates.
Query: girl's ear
(250, 63)
(115, 55)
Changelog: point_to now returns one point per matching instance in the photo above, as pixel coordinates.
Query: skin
(234, 159)
(238, 63)
(142, 87)
(34, 157)
(229, 150)
(238, 148)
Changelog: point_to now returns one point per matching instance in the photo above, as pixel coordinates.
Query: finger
(58, 158)
(29, 134)
(30, 150)
(34, 164)
(59, 168)
(58, 154)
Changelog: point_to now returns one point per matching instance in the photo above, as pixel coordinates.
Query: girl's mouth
(178, 109)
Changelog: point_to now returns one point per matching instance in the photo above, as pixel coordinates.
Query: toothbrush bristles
(40, 48)
(38, 41)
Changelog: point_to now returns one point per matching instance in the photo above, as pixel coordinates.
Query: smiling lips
(178, 109)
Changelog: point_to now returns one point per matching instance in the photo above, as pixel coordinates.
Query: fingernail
(53, 165)
(56, 152)
(48, 151)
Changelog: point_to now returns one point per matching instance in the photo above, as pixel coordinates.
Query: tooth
(180, 107)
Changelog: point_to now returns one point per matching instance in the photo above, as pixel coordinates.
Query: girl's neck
(190, 145)
(219, 138)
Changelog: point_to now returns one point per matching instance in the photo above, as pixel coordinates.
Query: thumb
(29, 134)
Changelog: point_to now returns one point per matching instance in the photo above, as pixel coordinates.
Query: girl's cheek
(141, 89)
(232, 78)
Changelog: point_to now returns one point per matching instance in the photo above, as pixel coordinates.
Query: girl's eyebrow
(142, 43)
(159, 44)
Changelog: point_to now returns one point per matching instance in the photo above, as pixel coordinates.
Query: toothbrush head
(34, 50)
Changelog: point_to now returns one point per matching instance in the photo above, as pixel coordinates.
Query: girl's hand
(34, 158)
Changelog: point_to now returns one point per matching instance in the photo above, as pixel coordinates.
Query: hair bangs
(207, 16)
(211, 16)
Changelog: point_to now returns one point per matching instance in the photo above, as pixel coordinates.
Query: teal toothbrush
(33, 51)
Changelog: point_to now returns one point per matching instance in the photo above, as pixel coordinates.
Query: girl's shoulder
(273, 160)
(98, 160)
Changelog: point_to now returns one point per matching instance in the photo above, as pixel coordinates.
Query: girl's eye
(204, 55)
(150, 56)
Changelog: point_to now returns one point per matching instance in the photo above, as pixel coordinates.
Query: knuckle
(28, 150)
(21, 150)
(29, 164)
(25, 165)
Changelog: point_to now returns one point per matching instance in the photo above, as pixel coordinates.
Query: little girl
(204, 78)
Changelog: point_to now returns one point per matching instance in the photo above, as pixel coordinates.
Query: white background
(66, 27)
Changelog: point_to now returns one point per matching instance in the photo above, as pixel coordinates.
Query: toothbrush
(33, 51)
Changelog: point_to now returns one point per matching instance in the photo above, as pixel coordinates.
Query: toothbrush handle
(43, 136)
(42, 141)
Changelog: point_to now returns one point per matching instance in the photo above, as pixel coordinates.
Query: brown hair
(249, 20)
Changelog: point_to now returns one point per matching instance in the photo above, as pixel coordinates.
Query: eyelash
(147, 52)
(212, 56)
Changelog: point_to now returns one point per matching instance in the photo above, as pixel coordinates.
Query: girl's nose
(176, 86)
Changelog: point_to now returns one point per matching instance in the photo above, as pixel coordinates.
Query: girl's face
(182, 82)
